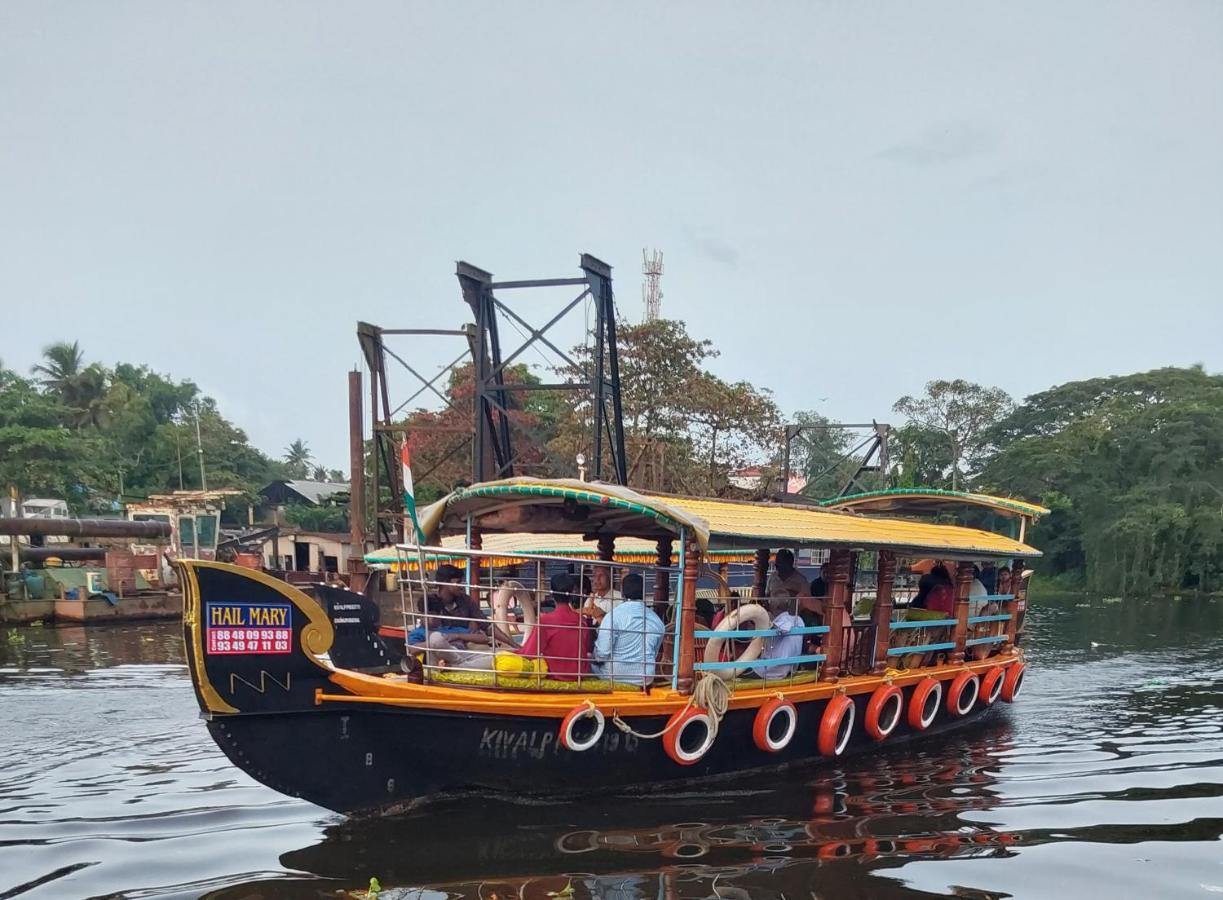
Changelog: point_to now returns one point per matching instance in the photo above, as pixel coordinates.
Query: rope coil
(710, 694)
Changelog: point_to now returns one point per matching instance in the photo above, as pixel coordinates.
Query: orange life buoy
(689, 735)
(883, 711)
(962, 694)
(923, 705)
(777, 712)
(836, 726)
(573, 737)
(991, 685)
(1012, 684)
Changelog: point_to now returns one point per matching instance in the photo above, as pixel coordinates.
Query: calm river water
(1104, 781)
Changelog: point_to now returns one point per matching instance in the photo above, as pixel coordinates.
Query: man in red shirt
(562, 638)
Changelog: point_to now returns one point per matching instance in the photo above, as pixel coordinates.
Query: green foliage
(94, 436)
(1132, 467)
(317, 518)
(819, 454)
(960, 412)
(297, 460)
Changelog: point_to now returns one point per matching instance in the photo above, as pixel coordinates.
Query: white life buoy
(752, 614)
(574, 728)
(507, 594)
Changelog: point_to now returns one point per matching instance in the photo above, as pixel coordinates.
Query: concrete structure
(307, 551)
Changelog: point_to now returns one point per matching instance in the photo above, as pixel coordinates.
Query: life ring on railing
(777, 711)
(508, 593)
(573, 734)
(884, 711)
(758, 617)
(991, 685)
(836, 726)
(682, 727)
(962, 694)
(924, 704)
(1012, 684)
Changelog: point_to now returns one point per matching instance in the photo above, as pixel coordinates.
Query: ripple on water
(1106, 778)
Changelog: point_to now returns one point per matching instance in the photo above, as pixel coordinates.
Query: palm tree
(82, 389)
(297, 458)
(64, 364)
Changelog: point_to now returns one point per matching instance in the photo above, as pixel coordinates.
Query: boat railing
(915, 641)
(857, 648)
(742, 667)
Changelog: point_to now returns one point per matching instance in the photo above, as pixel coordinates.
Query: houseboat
(293, 693)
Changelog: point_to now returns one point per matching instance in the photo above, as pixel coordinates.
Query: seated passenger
(785, 580)
(626, 648)
(455, 622)
(783, 645)
(942, 592)
(601, 598)
(562, 638)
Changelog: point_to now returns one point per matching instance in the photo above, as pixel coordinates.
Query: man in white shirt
(783, 645)
(785, 580)
(603, 599)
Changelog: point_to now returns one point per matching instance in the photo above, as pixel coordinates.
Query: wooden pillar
(959, 634)
(687, 618)
(607, 547)
(840, 563)
(761, 573)
(882, 614)
(473, 564)
(1018, 606)
(662, 579)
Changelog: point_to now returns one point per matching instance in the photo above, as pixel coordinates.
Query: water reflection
(1107, 777)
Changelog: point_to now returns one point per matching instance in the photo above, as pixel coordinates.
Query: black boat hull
(362, 760)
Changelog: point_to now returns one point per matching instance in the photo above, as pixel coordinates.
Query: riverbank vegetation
(1131, 466)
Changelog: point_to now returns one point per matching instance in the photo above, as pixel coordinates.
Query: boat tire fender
(962, 693)
(1012, 684)
(924, 704)
(689, 735)
(574, 726)
(991, 685)
(777, 713)
(884, 711)
(837, 726)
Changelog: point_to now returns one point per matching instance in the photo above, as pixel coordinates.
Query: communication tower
(651, 288)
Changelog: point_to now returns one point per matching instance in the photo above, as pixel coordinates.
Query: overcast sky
(852, 198)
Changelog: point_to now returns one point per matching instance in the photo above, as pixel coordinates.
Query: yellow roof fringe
(725, 523)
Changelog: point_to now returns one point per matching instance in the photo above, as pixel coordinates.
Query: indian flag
(409, 497)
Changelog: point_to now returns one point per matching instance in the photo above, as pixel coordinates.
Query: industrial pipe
(68, 554)
(83, 527)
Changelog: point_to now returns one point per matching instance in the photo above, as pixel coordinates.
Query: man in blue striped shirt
(629, 637)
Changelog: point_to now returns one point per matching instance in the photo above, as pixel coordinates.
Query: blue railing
(761, 632)
(920, 648)
(1000, 617)
(928, 623)
(993, 639)
(760, 663)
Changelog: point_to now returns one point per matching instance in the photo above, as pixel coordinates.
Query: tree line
(98, 437)
(1131, 466)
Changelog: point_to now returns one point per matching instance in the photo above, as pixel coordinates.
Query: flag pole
(411, 525)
